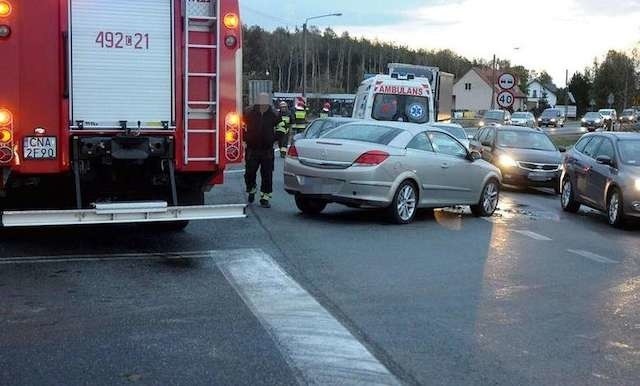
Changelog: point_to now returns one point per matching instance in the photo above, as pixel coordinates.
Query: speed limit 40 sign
(505, 99)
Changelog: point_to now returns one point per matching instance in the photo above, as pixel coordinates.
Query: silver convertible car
(397, 166)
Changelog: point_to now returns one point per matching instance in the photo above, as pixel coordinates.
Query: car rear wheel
(568, 198)
(311, 206)
(404, 206)
(488, 200)
(615, 209)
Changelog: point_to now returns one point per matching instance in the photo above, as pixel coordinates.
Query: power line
(269, 16)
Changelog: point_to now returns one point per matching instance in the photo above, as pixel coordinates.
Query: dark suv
(552, 117)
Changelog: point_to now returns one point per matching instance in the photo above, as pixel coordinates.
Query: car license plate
(40, 148)
(540, 177)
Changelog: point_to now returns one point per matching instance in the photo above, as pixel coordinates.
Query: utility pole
(566, 95)
(305, 32)
(493, 84)
(304, 60)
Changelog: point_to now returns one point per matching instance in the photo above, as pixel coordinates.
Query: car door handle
(444, 165)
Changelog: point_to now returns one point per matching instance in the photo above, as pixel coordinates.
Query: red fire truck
(117, 111)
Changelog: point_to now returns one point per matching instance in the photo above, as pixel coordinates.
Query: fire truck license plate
(40, 148)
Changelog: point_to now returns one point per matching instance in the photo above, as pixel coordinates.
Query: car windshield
(551, 114)
(629, 112)
(520, 115)
(525, 140)
(457, 132)
(630, 152)
(382, 135)
(592, 116)
(400, 108)
(606, 112)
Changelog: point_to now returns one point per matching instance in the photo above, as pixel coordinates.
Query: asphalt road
(533, 296)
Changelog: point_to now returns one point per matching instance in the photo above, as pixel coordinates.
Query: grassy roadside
(566, 141)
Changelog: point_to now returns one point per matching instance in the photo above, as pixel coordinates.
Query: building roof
(486, 74)
(548, 86)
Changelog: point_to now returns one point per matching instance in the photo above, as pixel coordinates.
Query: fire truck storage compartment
(122, 65)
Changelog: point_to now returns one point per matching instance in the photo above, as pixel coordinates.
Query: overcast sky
(552, 35)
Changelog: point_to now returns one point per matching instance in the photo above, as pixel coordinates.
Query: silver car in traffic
(397, 166)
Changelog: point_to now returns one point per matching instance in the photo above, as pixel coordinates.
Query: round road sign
(505, 99)
(507, 81)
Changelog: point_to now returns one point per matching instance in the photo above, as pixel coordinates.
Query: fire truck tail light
(5, 8)
(5, 31)
(6, 135)
(5, 117)
(231, 21)
(233, 119)
(230, 41)
(233, 143)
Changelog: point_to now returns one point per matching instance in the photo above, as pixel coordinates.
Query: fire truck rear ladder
(207, 110)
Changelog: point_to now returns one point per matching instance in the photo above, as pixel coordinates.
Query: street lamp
(304, 37)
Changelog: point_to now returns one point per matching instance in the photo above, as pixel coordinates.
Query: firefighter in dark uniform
(284, 127)
(261, 122)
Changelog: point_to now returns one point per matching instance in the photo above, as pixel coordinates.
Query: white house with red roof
(472, 92)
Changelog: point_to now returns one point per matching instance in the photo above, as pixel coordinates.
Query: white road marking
(592, 256)
(533, 235)
(322, 350)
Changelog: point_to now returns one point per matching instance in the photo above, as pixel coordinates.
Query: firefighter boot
(252, 196)
(265, 200)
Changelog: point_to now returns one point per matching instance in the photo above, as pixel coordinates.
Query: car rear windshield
(592, 116)
(532, 140)
(382, 135)
(630, 152)
(497, 115)
(402, 108)
(551, 113)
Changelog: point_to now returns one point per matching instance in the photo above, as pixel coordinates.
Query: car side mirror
(562, 149)
(298, 137)
(474, 156)
(605, 160)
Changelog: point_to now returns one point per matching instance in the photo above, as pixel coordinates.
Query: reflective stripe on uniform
(267, 196)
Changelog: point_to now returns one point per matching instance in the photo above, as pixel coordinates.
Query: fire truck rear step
(122, 213)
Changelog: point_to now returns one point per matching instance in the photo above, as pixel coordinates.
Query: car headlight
(539, 119)
(507, 162)
(638, 184)
(553, 119)
(481, 123)
(598, 120)
(583, 120)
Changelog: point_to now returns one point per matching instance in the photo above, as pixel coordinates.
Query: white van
(407, 94)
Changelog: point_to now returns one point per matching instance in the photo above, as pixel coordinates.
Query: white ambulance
(409, 93)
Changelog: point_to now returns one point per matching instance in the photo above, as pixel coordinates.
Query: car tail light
(232, 139)
(292, 152)
(372, 158)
